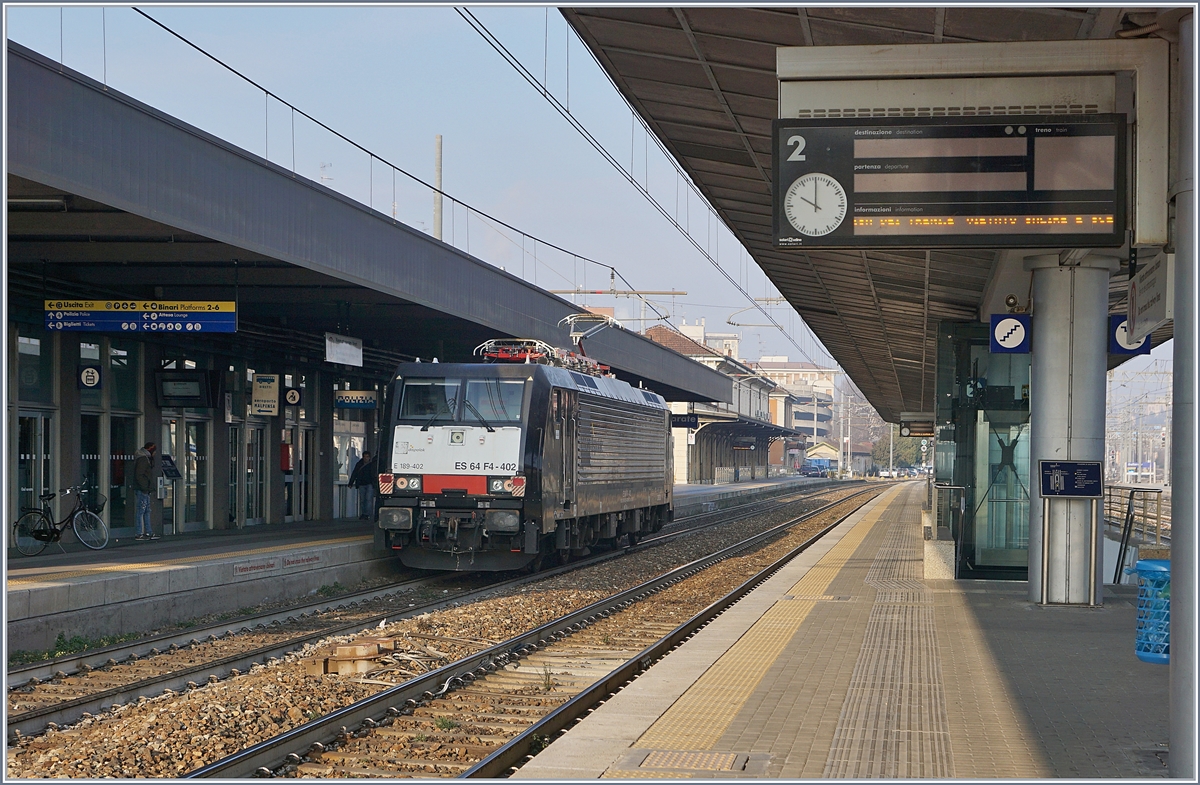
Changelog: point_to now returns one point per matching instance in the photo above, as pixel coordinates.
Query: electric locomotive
(520, 461)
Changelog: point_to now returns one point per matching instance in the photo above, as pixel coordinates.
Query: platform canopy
(111, 199)
(704, 80)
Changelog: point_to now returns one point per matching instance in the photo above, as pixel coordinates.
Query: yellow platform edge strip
(140, 566)
(698, 719)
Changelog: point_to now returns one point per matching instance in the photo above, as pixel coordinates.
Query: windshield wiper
(478, 416)
(449, 410)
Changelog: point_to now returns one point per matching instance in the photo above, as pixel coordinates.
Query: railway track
(481, 715)
(48, 695)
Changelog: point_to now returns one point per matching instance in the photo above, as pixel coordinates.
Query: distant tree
(907, 450)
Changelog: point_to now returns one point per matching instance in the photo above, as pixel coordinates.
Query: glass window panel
(89, 446)
(35, 365)
(196, 460)
(496, 400)
(123, 447)
(123, 374)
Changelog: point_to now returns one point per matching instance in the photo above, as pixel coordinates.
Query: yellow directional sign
(159, 306)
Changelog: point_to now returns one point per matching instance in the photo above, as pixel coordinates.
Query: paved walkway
(849, 664)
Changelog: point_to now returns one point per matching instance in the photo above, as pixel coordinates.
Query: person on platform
(143, 484)
(364, 478)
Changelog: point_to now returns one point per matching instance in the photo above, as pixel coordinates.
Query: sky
(391, 79)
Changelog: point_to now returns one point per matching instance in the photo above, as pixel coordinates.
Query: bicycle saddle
(47, 496)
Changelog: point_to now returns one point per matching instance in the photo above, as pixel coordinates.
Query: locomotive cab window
(496, 400)
(426, 398)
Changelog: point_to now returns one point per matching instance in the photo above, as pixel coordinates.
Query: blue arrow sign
(142, 322)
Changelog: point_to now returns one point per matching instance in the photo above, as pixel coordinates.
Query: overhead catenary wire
(629, 176)
(399, 169)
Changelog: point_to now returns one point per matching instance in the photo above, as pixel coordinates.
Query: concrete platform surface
(849, 664)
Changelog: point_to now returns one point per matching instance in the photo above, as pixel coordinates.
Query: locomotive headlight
(496, 486)
(401, 483)
(508, 486)
(502, 521)
(395, 518)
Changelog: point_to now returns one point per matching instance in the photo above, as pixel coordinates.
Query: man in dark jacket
(143, 484)
(364, 478)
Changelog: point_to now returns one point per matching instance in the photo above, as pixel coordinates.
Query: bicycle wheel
(90, 529)
(25, 528)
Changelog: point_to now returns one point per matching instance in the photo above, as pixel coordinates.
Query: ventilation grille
(950, 111)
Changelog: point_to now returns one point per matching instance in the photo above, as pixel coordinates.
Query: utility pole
(437, 181)
(891, 450)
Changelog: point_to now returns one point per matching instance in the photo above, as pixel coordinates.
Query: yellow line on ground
(699, 718)
(141, 566)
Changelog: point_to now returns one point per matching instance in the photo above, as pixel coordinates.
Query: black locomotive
(509, 465)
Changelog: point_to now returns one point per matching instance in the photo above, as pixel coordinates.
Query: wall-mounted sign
(194, 389)
(116, 316)
(293, 396)
(1151, 296)
(1021, 181)
(1121, 342)
(89, 377)
(685, 421)
(343, 349)
(354, 399)
(264, 400)
(1072, 478)
(1010, 333)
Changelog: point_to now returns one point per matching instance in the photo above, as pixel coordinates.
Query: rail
(32, 721)
(262, 758)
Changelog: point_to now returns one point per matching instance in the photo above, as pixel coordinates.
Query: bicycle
(36, 528)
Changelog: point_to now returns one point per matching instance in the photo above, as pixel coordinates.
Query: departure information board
(1014, 181)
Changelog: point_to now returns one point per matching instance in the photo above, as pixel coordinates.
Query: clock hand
(814, 204)
(814, 201)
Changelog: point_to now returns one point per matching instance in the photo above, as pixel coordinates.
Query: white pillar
(1182, 713)
(1066, 416)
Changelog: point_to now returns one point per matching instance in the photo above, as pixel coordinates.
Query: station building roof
(110, 198)
(704, 80)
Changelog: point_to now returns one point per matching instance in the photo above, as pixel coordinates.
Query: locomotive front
(453, 480)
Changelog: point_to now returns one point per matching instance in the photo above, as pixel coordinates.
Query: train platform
(133, 586)
(848, 663)
(136, 586)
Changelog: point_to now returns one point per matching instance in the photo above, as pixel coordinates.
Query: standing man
(364, 478)
(143, 482)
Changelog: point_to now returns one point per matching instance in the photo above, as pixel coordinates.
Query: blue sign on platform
(1118, 337)
(145, 322)
(1072, 478)
(141, 316)
(1010, 333)
(685, 421)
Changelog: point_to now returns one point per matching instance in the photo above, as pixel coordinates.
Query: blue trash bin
(1154, 611)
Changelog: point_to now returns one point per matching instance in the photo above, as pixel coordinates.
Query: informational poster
(264, 401)
(343, 349)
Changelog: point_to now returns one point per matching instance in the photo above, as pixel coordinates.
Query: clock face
(815, 204)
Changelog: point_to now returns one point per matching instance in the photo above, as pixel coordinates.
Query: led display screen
(1017, 181)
